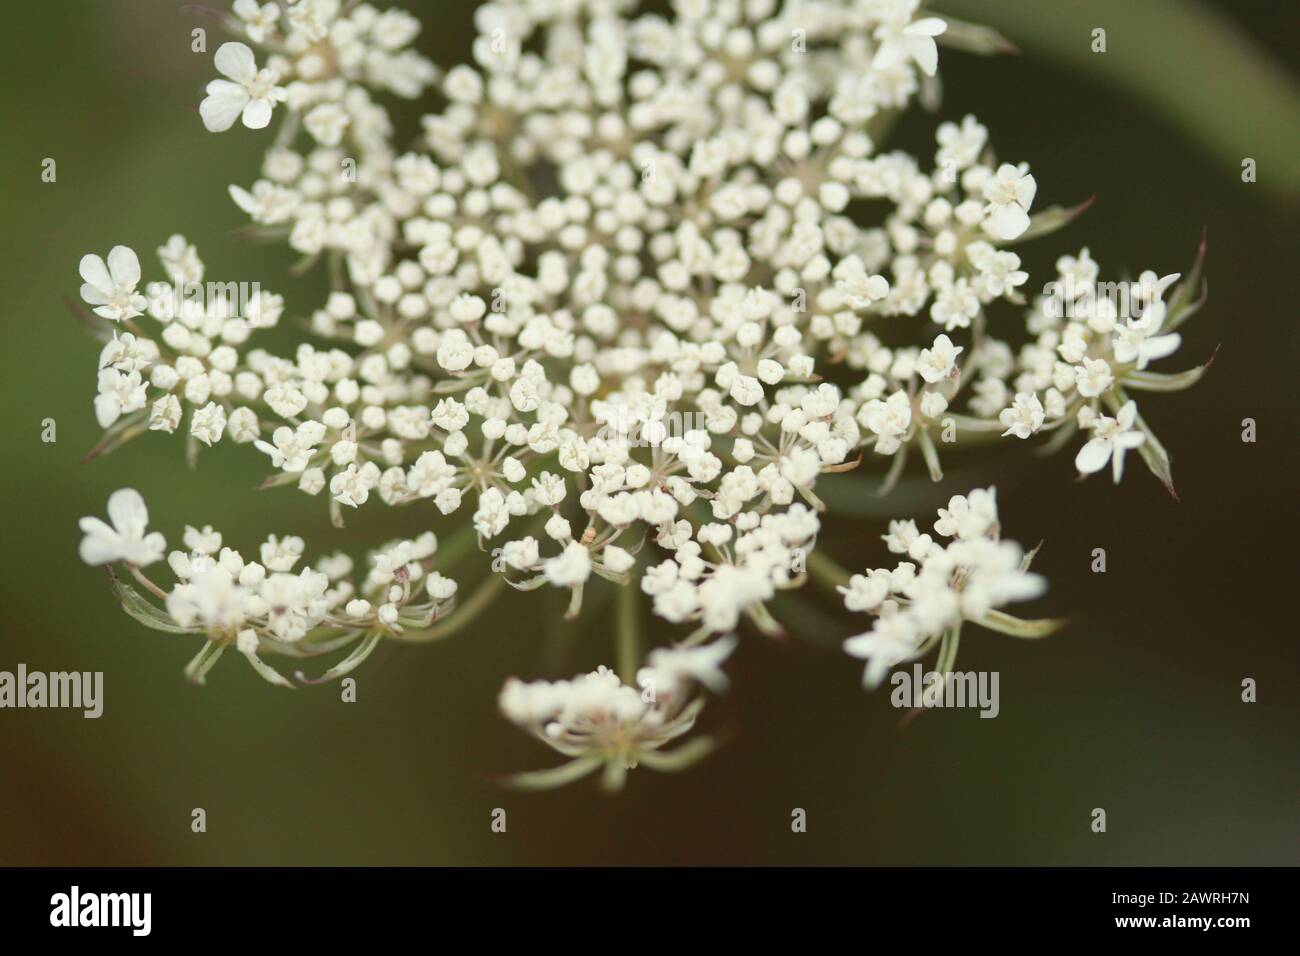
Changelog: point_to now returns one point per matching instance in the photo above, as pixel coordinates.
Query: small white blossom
(249, 94)
(939, 361)
(1024, 417)
(126, 539)
(1093, 377)
(110, 287)
(1111, 438)
(1009, 192)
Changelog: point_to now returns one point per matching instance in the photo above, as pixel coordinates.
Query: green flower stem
(944, 664)
(152, 588)
(825, 572)
(629, 632)
(1005, 623)
(197, 669)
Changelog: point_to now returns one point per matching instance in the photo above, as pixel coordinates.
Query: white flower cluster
(614, 222)
(1094, 341)
(942, 584)
(598, 721)
(266, 605)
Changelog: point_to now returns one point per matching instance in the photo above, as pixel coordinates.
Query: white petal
(128, 513)
(124, 267)
(243, 198)
(1118, 463)
(1164, 282)
(1093, 456)
(925, 53)
(860, 645)
(95, 273)
(257, 114)
(1027, 190)
(1127, 415)
(236, 61)
(1007, 222)
(96, 550)
(222, 105)
(1161, 346)
(1024, 587)
(94, 295)
(146, 552)
(107, 407)
(929, 27)
(100, 545)
(876, 672)
(889, 53)
(1124, 350)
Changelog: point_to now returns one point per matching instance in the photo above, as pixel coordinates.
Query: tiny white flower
(208, 423)
(933, 404)
(119, 393)
(889, 420)
(1112, 437)
(866, 592)
(915, 40)
(1009, 193)
(893, 640)
(127, 539)
(259, 19)
(326, 123)
(570, 568)
(938, 361)
(165, 414)
(955, 305)
(111, 288)
(1024, 417)
(970, 516)
(249, 94)
(1138, 341)
(440, 588)
(1092, 377)
(670, 667)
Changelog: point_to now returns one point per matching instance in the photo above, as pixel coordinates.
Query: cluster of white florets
(641, 280)
(941, 585)
(599, 721)
(270, 604)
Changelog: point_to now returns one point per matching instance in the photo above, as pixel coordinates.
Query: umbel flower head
(640, 285)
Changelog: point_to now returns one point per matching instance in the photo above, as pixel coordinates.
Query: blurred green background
(1135, 708)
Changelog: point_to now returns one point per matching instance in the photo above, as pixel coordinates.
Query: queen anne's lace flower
(640, 286)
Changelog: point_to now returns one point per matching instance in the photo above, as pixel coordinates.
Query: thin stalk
(629, 633)
(825, 571)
